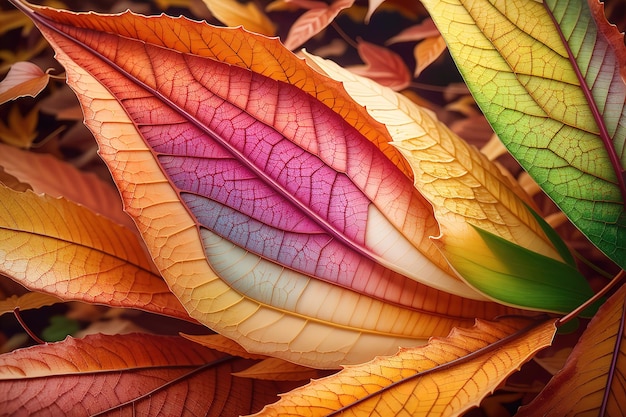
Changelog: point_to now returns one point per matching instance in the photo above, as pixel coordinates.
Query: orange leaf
(427, 52)
(24, 79)
(593, 378)
(27, 301)
(383, 66)
(49, 175)
(447, 377)
(58, 247)
(134, 374)
(275, 369)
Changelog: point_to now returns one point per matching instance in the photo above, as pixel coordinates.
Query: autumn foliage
(307, 208)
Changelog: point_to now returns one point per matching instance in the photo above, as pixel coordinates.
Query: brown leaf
(594, 378)
(427, 52)
(135, 374)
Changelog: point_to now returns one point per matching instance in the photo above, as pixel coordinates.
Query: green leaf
(542, 73)
(517, 276)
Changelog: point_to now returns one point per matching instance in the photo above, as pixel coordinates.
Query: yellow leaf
(20, 130)
(275, 369)
(444, 378)
(27, 301)
(248, 15)
(24, 79)
(60, 248)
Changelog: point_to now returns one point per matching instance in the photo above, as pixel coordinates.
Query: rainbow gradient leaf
(489, 234)
(272, 204)
(549, 77)
(444, 378)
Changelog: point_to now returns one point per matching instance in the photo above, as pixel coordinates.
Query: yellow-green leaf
(549, 76)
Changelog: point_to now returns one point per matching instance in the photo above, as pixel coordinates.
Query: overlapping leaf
(445, 378)
(489, 234)
(46, 174)
(256, 198)
(136, 374)
(594, 377)
(24, 79)
(55, 246)
(549, 77)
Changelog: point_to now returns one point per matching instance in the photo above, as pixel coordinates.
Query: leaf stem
(621, 274)
(18, 316)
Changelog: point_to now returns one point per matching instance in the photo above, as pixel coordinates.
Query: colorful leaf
(248, 15)
(254, 212)
(135, 374)
(471, 195)
(313, 21)
(24, 79)
(593, 378)
(550, 79)
(447, 377)
(60, 248)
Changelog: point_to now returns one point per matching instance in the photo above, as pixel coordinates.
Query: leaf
(383, 66)
(27, 301)
(471, 195)
(20, 130)
(541, 73)
(427, 52)
(447, 377)
(593, 377)
(49, 175)
(372, 5)
(214, 210)
(275, 369)
(424, 30)
(24, 79)
(313, 21)
(248, 15)
(222, 344)
(135, 373)
(60, 248)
